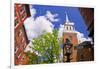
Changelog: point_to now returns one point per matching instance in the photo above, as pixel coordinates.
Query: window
(23, 39)
(20, 32)
(25, 45)
(22, 12)
(70, 37)
(16, 22)
(22, 9)
(73, 28)
(16, 49)
(70, 28)
(23, 16)
(15, 12)
(19, 55)
(67, 28)
(23, 57)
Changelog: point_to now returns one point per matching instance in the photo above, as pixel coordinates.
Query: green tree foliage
(48, 47)
(33, 58)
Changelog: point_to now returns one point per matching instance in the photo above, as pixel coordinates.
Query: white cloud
(61, 29)
(81, 37)
(36, 27)
(30, 27)
(51, 16)
(32, 11)
(43, 25)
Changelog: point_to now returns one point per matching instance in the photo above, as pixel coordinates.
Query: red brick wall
(72, 36)
(20, 14)
(20, 37)
(74, 40)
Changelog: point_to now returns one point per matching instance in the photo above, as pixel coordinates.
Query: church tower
(70, 34)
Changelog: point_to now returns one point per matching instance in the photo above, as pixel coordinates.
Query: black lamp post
(68, 45)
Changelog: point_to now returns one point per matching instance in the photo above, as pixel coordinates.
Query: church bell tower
(70, 34)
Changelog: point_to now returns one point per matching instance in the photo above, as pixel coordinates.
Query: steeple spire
(67, 20)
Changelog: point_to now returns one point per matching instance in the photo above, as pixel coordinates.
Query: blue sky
(72, 12)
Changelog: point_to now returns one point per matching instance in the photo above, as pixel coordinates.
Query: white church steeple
(68, 26)
(67, 20)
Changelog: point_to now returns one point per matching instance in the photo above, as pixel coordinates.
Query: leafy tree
(48, 47)
(33, 58)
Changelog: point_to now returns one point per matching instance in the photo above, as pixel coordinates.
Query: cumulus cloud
(32, 11)
(61, 29)
(29, 27)
(36, 26)
(81, 37)
(51, 16)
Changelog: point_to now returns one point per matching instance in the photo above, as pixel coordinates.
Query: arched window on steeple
(70, 28)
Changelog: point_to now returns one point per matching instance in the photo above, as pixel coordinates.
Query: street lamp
(67, 50)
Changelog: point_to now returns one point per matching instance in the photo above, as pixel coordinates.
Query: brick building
(84, 51)
(69, 33)
(88, 16)
(21, 41)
